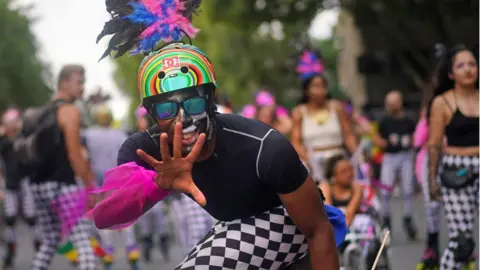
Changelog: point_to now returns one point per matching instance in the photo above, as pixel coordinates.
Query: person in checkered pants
(17, 188)
(56, 193)
(242, 172)
(453, 170)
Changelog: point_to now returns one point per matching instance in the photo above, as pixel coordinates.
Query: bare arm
(436, 132)
(69, 120)
(325, 187)
(346, 124)
(306, 209)
(284, 124)
(297, 141)
(354, 203)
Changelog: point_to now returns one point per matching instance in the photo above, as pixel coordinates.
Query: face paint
(191, 107)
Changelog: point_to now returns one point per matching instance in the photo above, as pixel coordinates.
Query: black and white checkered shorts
(460, 205)
(266, 241)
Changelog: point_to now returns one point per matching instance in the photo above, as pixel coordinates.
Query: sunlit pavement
(405, 253)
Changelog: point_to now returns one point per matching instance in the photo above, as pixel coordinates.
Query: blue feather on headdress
(164, 21)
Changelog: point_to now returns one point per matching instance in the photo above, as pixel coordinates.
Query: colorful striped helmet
(174, 67)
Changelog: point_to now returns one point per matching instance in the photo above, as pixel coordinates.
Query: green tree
(250, 44)
(408, 30)
(22, 74)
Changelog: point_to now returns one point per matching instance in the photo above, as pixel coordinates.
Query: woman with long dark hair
(321, 127)
(453, 170)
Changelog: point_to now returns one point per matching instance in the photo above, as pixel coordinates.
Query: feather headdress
(141, 24)
(309, 65)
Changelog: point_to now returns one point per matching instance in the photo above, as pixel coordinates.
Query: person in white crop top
(321, 127)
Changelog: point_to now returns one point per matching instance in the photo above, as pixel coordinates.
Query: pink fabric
(129, 191)
(265, 98)
(70, 208)
(420, 137)
(141, 112)
(249, 111)
(10, 116)
(281, 112)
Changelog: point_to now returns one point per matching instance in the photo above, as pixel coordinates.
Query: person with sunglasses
(244, 173)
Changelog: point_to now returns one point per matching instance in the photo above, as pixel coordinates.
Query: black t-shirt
(398, 132)
(251, 164)
(11, 168)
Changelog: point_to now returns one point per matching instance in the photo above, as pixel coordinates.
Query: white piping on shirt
(256, 138)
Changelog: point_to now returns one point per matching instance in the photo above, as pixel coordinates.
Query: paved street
(405, 254)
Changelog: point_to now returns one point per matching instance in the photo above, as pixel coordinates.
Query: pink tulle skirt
(127, 192)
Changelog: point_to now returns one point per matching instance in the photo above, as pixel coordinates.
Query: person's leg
(181, 228)
(133, 253)
(146, 234)
(246, 244)
(460, 207)
(387, 178)
(197, 220)
(106, 238)
(432, 222)
(162, 229)
(408, 186)
(48, 222)
(81, 231)
(28, 209)
(10, 205)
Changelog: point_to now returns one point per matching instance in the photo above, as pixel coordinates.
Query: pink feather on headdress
(265, 98)
(309, 65)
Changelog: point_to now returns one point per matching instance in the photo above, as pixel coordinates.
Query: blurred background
(368, 48)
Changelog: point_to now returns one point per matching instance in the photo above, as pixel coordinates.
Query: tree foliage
(22, 74)
(408, 30)
(252, 44)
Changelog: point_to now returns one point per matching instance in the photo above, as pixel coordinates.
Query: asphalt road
(405, 253)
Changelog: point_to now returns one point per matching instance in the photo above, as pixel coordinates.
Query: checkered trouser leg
(192, 220)
(44, 195)
(14, 198)
(28, 204)
(460, 206)
(267, 241)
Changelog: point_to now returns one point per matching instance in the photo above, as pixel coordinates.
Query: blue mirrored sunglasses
(169, 109)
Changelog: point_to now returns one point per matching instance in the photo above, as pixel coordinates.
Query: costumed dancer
(17, 189)
(245, 174)
(453, 169)
(321, 126)
(268, 111)
(154, 221)
(395, 136)
(103, 143)
(430, 259)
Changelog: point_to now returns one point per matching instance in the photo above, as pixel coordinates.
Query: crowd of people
(260, 188)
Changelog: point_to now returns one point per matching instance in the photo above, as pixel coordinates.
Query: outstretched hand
(175, 173)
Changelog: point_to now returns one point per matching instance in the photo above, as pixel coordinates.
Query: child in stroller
(357, 201)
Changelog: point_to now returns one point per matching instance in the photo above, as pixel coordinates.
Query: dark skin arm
(346, 124)
(297, 141)
(306, 209)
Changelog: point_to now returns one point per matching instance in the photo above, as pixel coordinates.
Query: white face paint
(193, 124)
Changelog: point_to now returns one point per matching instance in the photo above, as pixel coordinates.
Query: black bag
(38, 138)
(457, 178)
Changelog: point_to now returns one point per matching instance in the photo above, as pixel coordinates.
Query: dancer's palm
(175, 173)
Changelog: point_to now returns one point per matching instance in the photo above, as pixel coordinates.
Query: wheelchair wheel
(383, 262)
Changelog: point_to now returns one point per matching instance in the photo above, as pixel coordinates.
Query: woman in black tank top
(453, 171)
(343, 192)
